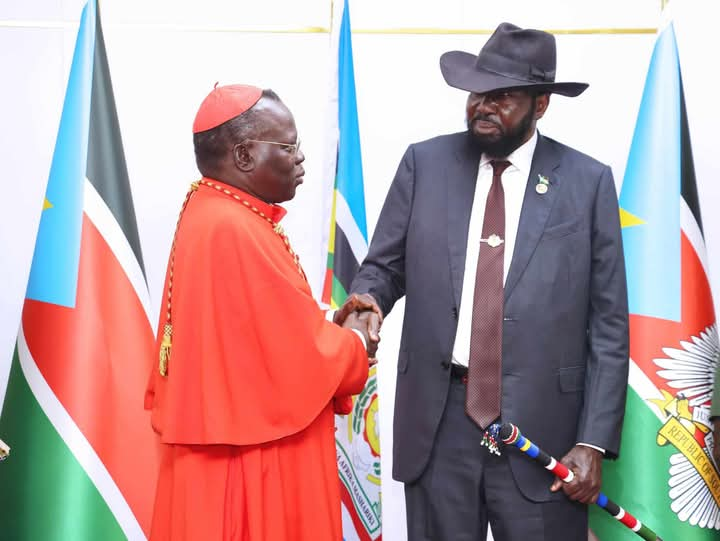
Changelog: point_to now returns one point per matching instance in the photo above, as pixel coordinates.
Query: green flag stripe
(642, 461)
(339, 294)
(46, 494)
(76, 441)
(643, 386)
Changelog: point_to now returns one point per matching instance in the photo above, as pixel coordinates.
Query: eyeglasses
(292, 148)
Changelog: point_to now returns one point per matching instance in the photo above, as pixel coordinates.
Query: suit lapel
(460, 177)
(535, 210)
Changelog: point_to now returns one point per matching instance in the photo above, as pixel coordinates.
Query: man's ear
(541, 104)
(242, 158)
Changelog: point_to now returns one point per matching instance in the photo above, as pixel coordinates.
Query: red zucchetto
(224, 103)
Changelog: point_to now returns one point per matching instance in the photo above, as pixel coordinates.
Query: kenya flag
(83, 463)
(665, 475)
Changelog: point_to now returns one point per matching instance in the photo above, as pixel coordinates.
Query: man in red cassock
(249, 371)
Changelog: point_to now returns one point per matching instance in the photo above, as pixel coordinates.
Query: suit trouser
(465, 487)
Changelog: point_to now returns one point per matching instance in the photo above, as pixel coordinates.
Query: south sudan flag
(665, 475)
(84, 463)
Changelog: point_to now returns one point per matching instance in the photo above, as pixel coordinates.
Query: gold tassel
(165, 347)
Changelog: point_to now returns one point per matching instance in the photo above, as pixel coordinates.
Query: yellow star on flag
(666, 402)
(47, 204)
(629, 220)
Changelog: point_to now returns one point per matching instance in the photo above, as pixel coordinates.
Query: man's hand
(370, 315)
(586, 463)
(356, 321)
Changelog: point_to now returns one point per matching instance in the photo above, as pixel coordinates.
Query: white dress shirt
(514, 179)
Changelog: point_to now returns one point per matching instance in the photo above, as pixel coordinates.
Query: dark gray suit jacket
(565, 331)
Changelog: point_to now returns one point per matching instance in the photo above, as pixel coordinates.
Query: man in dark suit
(507, 247)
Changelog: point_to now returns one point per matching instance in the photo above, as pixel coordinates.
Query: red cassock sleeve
(253, 359)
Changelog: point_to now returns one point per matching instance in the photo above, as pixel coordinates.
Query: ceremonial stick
(509, 434)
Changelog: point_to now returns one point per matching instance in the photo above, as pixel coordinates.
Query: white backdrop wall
(166, 55)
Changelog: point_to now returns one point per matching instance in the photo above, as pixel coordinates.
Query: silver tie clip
(493, 241)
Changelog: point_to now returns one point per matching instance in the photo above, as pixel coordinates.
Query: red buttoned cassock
(245, 412)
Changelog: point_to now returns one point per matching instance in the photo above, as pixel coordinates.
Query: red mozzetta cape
(253, 358)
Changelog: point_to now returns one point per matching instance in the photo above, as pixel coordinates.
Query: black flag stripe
(345, 266)
(688, 186)
(106, 167)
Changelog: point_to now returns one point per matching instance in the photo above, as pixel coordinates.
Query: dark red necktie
(482, 401)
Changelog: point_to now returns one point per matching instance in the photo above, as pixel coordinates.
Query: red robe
(245, 412)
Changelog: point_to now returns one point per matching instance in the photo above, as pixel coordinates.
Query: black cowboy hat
(513, 57)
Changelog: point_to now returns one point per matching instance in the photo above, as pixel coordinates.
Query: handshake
(362, 313)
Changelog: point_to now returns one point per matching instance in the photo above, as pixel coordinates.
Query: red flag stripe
(650, 335)
(694, 235)
(105, 221)
(96, 358)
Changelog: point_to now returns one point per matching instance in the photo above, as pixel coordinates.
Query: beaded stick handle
(509, 434)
